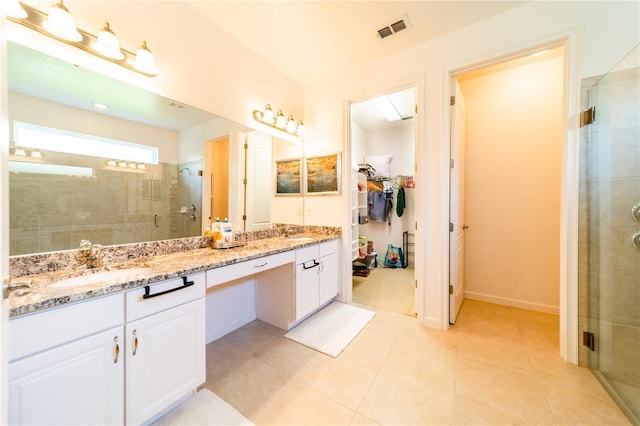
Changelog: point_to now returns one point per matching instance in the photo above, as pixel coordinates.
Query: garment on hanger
(400, 202)
(379, 206)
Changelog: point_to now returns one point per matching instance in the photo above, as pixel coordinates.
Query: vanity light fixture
(111, 163)
(36, 154)
(60, 25)
(279, 121)
(107, 43)
(144, 60)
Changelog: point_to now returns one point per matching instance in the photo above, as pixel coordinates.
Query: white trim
(568, 308)
(516, 303)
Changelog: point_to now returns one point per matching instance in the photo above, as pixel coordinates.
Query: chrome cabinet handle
(116, 354)
(135, 342)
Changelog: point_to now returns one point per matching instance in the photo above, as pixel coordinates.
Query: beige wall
(602, 32)
(512, 185)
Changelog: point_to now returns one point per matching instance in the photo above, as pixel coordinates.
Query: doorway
(382, 141)
(511, 184)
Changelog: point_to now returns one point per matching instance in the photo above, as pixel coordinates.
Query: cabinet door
(307, 288)
(165, 359)
(79, 383)
(328, 277)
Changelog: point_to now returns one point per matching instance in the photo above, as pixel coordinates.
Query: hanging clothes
(400, 203)
(379, 206)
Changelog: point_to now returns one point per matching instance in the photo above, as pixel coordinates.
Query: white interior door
(456, 203)
(258, 175)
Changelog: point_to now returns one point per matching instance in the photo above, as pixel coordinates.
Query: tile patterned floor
(391, 289)
(497, 365)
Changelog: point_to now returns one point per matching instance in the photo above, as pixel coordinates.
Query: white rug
(331, 329)
(203, 408)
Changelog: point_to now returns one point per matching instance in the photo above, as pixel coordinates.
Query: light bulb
(107, 43)
(60, 23)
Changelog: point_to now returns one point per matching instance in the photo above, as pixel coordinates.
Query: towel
(400, 205)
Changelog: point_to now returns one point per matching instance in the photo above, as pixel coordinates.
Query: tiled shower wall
(53, 212)
(609, 264)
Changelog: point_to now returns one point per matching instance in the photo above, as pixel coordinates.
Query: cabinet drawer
(36, 332)
(225, 274)
(329, 247)
(306, 254)
(161, 297)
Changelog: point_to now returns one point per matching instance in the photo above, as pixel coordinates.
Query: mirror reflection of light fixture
(36, 154)
(279, 122)
(107, 43)
(61, 24)
(20, 152)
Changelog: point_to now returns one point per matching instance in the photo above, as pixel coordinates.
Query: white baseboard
(523, 304)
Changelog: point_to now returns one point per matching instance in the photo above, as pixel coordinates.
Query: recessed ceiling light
(100, 105)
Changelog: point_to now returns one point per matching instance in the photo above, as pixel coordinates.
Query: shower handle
(635, 239)
(635, 212)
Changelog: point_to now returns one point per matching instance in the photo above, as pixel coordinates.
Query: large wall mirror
(94, 158)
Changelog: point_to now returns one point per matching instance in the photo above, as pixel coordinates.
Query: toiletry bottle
(217, 232)
(237, 232)
(227, 231)
(208, 232)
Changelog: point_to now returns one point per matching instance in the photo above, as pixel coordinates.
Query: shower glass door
(610, 234)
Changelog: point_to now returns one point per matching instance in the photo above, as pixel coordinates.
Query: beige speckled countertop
(157, 268)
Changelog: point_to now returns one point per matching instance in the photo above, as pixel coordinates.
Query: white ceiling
(313, 40)
(307, 40)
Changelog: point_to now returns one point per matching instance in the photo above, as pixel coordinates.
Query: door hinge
(452, 163)
(246, 145)
(244, 217)
(588, 116)
(416, 224)
(450, 227)
(416, 283)
(589, 340)
(452, 100)
(450, 289)
(416, 109)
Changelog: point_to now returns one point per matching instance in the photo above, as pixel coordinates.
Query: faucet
(88, 255)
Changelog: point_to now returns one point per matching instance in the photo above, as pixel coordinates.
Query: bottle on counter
(227, 231)
(208, 232)
(217, 231)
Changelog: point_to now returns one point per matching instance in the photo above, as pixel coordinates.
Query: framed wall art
(322, 175)
(288, 177)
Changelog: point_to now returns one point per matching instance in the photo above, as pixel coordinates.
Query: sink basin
(299, 238)
(98, 277)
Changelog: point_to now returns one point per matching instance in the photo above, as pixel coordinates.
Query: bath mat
(203, 408)
(331, 329)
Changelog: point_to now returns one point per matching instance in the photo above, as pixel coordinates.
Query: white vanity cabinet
(316, 277)
(66, 365)
(165, 345)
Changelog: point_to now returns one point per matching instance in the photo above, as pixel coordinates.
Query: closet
(382, 196)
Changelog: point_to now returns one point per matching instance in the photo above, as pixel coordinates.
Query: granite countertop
(156, 268)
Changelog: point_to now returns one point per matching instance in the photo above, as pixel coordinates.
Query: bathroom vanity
(125, 350)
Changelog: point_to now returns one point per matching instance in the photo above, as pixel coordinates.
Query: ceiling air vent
(384, 32)
(401, 24)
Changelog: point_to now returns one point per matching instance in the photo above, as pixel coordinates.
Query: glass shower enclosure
(609, 274)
